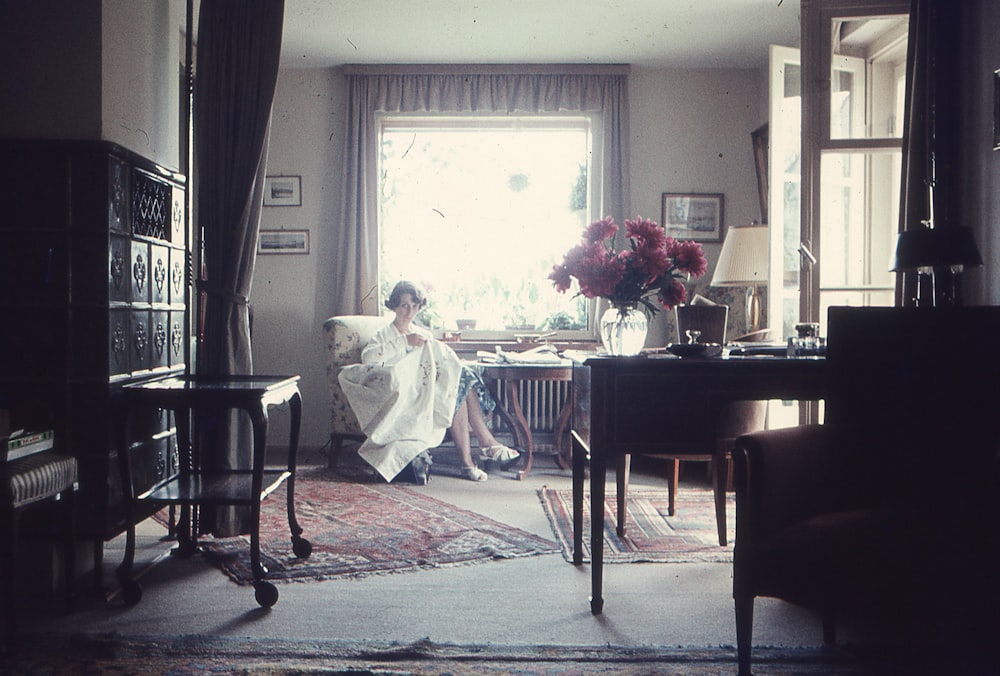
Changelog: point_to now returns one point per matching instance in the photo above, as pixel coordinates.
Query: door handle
(806, 254)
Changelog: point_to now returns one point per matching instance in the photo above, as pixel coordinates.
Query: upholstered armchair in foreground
(888, 509)
(346, 335)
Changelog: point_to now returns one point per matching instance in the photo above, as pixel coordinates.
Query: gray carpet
(500, 613)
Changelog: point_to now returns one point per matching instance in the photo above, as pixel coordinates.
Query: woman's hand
(415, 340)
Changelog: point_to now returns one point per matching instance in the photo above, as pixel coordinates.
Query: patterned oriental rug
(651, 536)
(361, 529)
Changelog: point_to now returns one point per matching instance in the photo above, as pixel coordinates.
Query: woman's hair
(416, 293)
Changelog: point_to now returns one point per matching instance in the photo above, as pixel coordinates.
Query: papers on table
(543, 354)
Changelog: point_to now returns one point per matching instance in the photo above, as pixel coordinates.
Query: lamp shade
(925, 247)
(743, 260)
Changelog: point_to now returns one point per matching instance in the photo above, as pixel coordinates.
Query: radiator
(541, 402)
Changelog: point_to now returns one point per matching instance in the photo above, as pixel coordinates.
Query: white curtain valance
(373, 90)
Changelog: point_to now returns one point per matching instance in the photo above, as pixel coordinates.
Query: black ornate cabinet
(93, 295)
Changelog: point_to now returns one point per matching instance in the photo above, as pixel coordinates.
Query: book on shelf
(22, 443)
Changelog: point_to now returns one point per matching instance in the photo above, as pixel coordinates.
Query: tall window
(478, 209)
(852, 150)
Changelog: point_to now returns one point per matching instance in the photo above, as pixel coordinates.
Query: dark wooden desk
(511, 374)
(193, 486)
(663, 404)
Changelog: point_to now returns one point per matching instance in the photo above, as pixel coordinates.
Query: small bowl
(691, 350)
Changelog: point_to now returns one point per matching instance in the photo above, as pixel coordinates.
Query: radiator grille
(541, 402)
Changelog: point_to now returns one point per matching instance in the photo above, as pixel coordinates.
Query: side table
(192, 486)
(511, 374)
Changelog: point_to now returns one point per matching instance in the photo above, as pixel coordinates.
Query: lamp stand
(754, 309)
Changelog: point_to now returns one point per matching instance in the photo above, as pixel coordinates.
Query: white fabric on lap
(405, 400)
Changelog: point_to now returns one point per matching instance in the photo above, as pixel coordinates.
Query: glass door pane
(868, 59)
(859, 212)
(785, 188)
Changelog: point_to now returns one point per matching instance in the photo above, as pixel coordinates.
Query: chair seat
(39, 476)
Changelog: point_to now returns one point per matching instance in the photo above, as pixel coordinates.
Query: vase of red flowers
(623, 330)
(651, 264)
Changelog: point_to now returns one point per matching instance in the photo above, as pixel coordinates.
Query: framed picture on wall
(695, 216)
(283, 242)
(283, 191)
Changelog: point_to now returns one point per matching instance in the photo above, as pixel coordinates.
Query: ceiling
(644, 33)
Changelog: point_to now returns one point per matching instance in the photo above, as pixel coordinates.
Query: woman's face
(406, 310)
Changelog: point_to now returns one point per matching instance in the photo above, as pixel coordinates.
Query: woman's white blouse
(389, 345)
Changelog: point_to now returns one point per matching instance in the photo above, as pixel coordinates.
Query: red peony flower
(672, 293)
(652, 264)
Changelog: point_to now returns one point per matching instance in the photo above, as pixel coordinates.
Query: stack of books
(21, 443)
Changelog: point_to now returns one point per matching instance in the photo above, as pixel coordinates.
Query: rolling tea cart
(193, 485)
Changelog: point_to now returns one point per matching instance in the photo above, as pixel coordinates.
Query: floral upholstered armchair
(346, 335)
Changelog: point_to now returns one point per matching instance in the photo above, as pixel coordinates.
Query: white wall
(105, 70)
(142, 62)
(690, 131)
(290, 293)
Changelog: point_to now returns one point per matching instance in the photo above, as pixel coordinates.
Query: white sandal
(474, 474)
(505, 455)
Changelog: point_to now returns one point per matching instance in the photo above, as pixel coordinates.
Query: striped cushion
(39, 476)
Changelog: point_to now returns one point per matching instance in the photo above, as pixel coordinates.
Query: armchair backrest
(914, 391)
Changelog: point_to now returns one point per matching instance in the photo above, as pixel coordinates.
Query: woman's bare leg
(460, 434)
(477, 422)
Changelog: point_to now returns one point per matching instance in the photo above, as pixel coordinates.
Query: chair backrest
(348, 334)
(914, 388)
(709, 319)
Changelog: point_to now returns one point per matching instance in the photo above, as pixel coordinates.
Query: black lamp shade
(935, 248)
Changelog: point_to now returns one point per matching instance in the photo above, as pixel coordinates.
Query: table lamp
(743, 262)
(933, 252)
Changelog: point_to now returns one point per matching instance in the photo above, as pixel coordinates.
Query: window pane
(860, 214)
(867, 64)
(479, 212)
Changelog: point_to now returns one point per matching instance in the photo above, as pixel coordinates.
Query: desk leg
(579, 465)
(598, 480)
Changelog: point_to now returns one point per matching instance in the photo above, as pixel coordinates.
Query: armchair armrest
(782, 476)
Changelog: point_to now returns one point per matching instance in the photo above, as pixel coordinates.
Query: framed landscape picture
(695, 216)
(283, 191)
(283, 242)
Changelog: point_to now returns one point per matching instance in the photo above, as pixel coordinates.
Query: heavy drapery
(461, 89)
(931, 123)
(239, 45)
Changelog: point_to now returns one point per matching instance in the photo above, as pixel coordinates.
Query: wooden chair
(26, 483)
(737, 418)
(889, 508)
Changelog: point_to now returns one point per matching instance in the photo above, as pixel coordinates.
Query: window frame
(589, 122)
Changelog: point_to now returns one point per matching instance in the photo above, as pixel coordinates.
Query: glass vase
(623, 330)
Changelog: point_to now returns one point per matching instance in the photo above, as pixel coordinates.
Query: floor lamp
(743, 262)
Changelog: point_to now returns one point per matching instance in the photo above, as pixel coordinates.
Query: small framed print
(695, 216)
(283, 191)
(283, 242)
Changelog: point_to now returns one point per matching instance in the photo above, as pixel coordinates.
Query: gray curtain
(461, 89)
(931, 123)
(239, 44)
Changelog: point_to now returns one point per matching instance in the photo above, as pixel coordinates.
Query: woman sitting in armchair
(409, 389)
